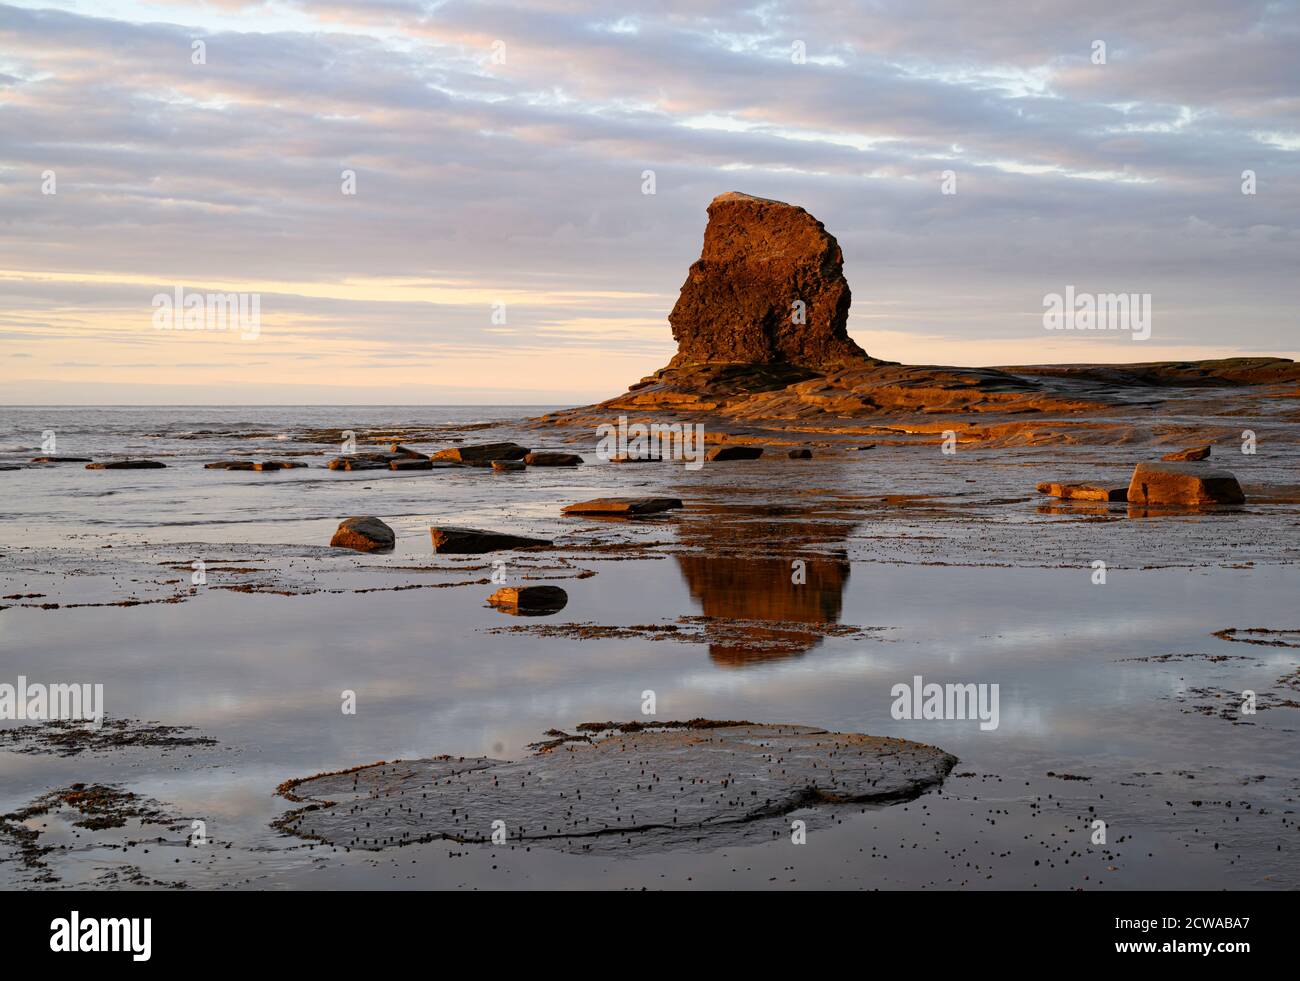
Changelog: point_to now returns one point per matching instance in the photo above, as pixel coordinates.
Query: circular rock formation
(650, 787)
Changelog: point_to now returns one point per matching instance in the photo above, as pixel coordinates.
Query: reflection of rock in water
(746, 586)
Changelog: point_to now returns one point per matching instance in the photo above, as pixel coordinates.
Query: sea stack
(741, 299)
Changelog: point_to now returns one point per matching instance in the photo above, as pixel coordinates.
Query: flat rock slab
(1188, 455)
(723, 453)
(652, 788)
(547, 459)
(626, 507)
(1083, 492)
(1187, 484)
(455, 540)
(231, 465)
(363, 534)
(126, 465)
(362, 461)
(529, 600)
(397, 449)
(483, 453)
(800, 454)
(61, 459)
(411, 463)
(509, 466)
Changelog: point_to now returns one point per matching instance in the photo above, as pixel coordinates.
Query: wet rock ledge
(671, 784)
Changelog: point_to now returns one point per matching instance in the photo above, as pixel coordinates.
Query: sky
(495, 242)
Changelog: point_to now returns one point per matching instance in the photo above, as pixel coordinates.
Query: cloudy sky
(499, 152)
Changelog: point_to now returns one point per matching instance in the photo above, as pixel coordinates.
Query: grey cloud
(529, 176)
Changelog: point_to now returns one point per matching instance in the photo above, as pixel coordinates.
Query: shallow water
(976, 585)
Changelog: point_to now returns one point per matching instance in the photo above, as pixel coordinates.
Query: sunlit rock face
(768, 288)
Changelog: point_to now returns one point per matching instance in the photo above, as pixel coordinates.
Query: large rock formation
(744, 356)
(768, 288)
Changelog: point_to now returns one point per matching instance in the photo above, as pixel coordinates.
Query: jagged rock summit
(768, 288)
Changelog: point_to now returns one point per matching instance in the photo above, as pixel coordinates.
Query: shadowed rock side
(649, 790)
(743, 354)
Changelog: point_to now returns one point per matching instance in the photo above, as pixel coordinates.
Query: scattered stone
(265, 465)
(126, 465)
(650, 789)
(530, 600)
(1194, 453)
(544, 459)
(483, 453)
(624, 506)
(647, 458)
(455, 540)
(361, 461)
(1186, 484)
(759, 258)
(411, 463)
(508, 466)
(1083, 492)
(800, 454)
(733, 452)
(364, 534)
(60, 459)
